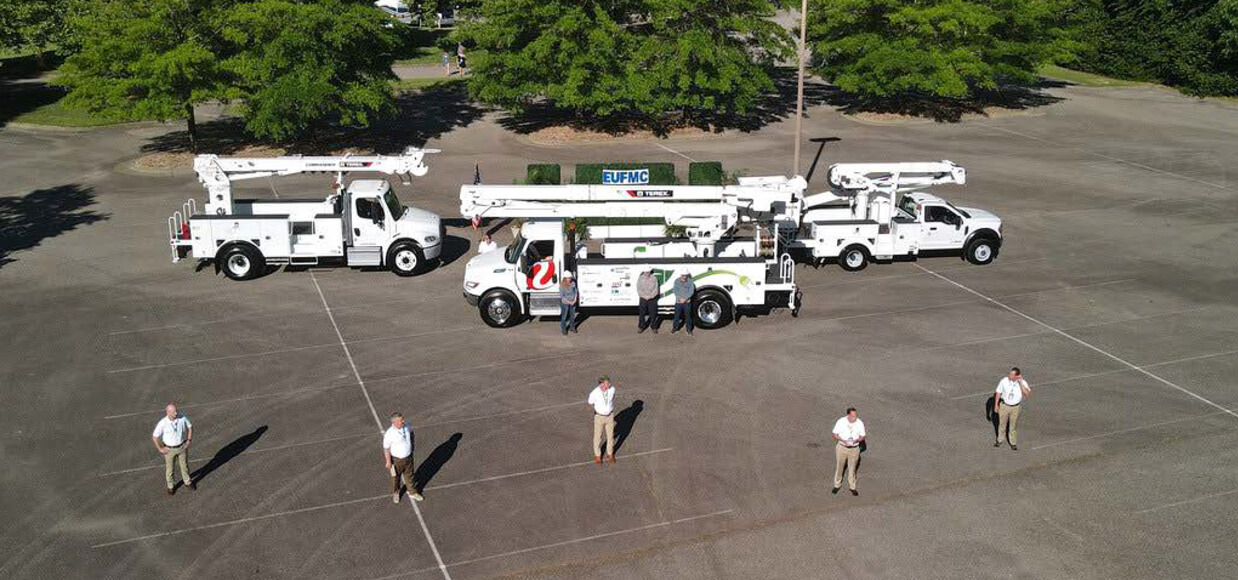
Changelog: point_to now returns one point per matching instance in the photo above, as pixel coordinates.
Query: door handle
(933, 229)
(356, 231)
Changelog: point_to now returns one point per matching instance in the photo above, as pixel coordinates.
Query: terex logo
(625, 176)
(356, 164)
(647, 193)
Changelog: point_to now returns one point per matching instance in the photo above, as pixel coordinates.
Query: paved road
(1116, 293)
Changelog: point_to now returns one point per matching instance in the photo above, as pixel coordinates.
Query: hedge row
(699, 173)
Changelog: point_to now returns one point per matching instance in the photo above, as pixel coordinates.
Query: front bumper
(471, 299)
(432, 252)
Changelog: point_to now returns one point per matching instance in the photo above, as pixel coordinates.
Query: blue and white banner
(625, 176)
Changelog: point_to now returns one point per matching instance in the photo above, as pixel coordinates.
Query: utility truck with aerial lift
(363, 224)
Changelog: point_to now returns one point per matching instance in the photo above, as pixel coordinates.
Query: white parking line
(1082, 342)
(385, 496)
(247, 452)
(1186, 501)
(567, 542)
(542, 470)
(1103, 156)
(674, 151)
(377, 422)
(1129, 430)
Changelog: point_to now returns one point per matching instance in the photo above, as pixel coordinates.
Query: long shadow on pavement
(437, 459)
(227, 452)
(625, 420)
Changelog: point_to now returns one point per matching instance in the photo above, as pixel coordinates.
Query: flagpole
(799, 91)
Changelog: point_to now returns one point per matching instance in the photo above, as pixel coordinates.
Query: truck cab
(946, 227)
(531, 265)
(380, 230)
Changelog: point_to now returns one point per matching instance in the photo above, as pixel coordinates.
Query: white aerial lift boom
(363, 224)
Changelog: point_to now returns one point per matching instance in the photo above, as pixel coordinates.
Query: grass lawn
(409, 85)
(420, 47)
(1085, 79)
(57, 114)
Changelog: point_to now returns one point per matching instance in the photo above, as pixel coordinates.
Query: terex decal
(356, 164)
(648, 193)
(541, 275)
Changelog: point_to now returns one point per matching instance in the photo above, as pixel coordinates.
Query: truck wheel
(406, 259)
(499, 309)
(853, 258)
(241, 262)
(712, 309)
(981, 251)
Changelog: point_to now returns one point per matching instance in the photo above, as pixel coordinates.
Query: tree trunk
(193, 127)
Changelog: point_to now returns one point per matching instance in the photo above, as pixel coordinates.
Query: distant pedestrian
(446, 64)
(398, 458)
(1008, 400)
(487, 245)
(684, 289)
(647, 312)
(172, 436)
(460, 60)
(602, 400)
(569, 297)
(849, 434)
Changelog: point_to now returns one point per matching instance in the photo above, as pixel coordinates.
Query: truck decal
(663, 276)
(541, 275)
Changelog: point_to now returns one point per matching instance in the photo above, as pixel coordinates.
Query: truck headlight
(431, 239)
(470, 285)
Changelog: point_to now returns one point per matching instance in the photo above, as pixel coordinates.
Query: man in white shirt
(487, 245)
(398, 458)
(172, 436)
(849, 434)
(602, 401)
(1008, 400)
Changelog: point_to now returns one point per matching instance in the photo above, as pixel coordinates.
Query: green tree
(296, 64)
(610, 57)
(939, 48)
(37, 25)
(142, 59)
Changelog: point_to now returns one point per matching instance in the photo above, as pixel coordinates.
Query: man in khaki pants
(1008, 399)
(602, 401)
(172, 436)
(849, 434)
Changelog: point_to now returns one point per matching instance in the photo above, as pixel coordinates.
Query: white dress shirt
(603, 402)
(849, 433)
(1011, 392)
(172, 431)
(398, 441)
(483, 247)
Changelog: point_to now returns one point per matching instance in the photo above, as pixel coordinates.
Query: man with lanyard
(602, 400)
(172, 436)
(849, 434)
(1008, 399)
(398, 457)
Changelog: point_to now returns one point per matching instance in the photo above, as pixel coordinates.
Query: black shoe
(854, 492)
(640, 330)
(998, 444)
(655, 330)
(689, 332)
(564, 331)
(574, 331)
(674, 330)
(835, 490)
(1014, 447)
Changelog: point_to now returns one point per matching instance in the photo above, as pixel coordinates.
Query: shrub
(705, 173)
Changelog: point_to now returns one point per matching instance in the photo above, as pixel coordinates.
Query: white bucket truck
(880, 213)
(727, 245)
(363, 224)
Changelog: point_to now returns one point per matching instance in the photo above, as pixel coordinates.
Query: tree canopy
(939, 48)
(290, 63)
(607, 57)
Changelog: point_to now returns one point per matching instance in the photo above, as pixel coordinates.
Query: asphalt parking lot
(1116, 293)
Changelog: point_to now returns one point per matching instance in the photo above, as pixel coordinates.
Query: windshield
(393, 204)
(513, 251)
(958, 211)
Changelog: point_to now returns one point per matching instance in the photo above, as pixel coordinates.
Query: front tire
(242, 262)
(712, 309)
(406, 259)
(981, 251)
(853, 258)
(499, 309)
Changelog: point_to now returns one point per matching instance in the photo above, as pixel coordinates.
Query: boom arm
(894, 177)
(217, 173)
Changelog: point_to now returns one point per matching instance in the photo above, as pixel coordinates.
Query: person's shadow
(226, 453)
(991, 415)
(625, 420)
(437, 458)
